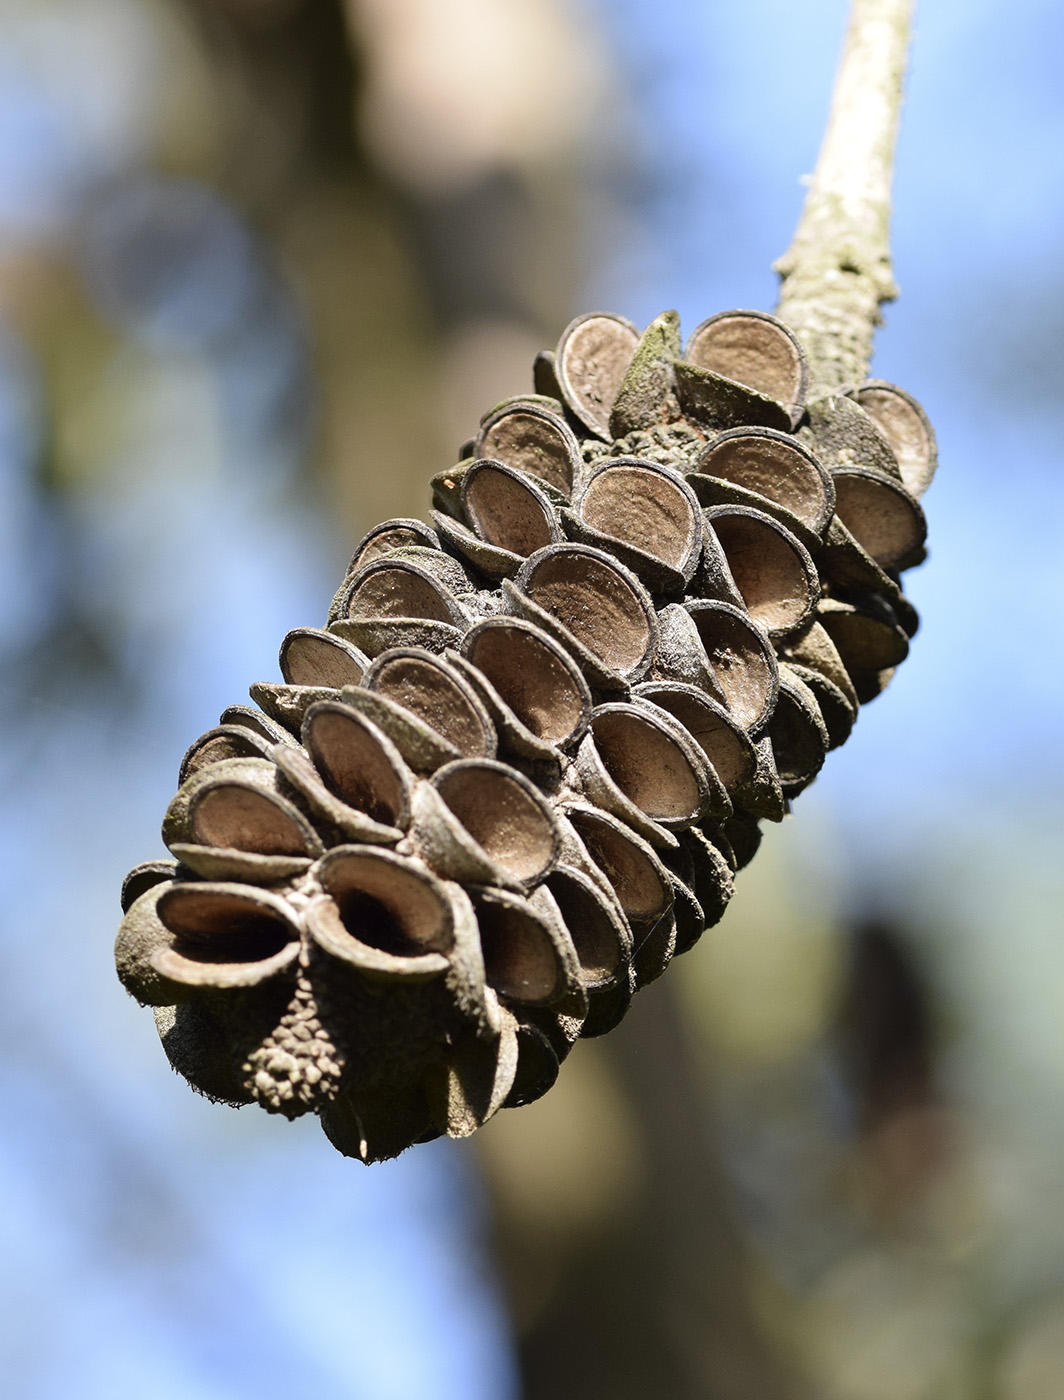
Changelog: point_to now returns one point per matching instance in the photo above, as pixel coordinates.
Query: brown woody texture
(515, 773)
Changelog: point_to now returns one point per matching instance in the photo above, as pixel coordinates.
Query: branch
(837, 271)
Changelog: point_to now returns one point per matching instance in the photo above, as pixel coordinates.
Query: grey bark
(837, 271)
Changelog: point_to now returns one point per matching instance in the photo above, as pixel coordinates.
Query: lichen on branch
(837, 271)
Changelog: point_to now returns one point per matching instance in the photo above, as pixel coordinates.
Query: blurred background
(263, 263)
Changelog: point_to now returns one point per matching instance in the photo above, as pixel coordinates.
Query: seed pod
(420, 746)
(505, 814)
(382, 915)
(144, 877)
(776, 468)
(336, 818)
(487, 559)
(535, 676)
(358, 763)
(429, 687)
(849, 568)
(711, 874)
(715, 402)
(590, 364)
(680, 655)
(742, 660)
(838, 713)
(515, 773)
(905, 426)
(723, 739)
(755, 350)
(815, 649)
(529, 959)
(648, 516)
(654, 761)
(599, 931)
(866, 637)
(508, 510)
(882, 516)
(257, 723)
(475, 1081)
(223, 742)
(774, 574)
(636, 874)
(532, 438)
(842, 434)
(237, 805)
(516, 742)
(286, 705)
(798, 734)
(388, 536)
(179, 939)
(603, 610)
(312, 657)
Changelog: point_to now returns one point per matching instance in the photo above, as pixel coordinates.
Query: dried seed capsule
(388, 536)
(635, 873)
(905, 426)
(257, 722)
(598, 929)
(867, 638)
(144, 877)
(376, 634)
(237, 805)
(774, 574)
(222, 742)
(722, 738)
(358, 763)
(842, 434)
(311, 657)
(530, 438)
(680, 655)
(529, 958)
(400, 588)
(475, 1081)
(504, 813)
(429, 687)
(487, 559)
(798, 734)
(507, 509)
(503, 787)
(651, 512)
(711, 874)
(742, 660)
(777, 468)
(882, 516)
(647, 392)
(838, 713)
(384, 915)
(715, 402)
(590, 363)
(815, 649)
(286, 705)
(420, 746)
(180, 939)
(338, 820)
(756, 350)
(535, 677)
(655, 763)
(601, 606)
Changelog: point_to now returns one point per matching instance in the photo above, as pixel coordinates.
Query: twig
(837, 271)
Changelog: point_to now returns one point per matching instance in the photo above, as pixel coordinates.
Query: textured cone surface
(515, 772)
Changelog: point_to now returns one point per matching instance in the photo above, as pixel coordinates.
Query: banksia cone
(515, 773)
